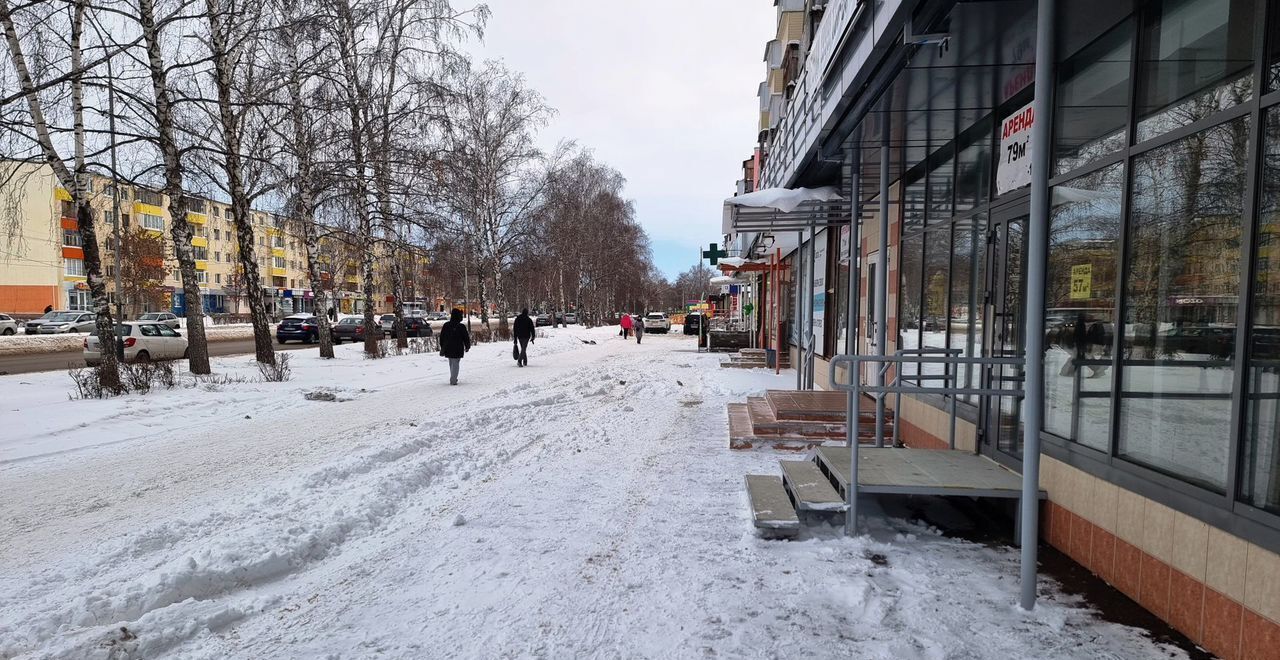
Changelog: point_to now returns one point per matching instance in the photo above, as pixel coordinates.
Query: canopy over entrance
(782, 209)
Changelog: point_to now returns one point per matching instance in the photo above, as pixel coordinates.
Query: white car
(143, 341)
(66, 322)
(8, 326)
(167, 318)
(657, 322)
(570, 318)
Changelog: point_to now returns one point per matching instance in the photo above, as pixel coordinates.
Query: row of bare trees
(358, 118)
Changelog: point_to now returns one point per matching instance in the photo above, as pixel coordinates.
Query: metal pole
(1037, 239)
(882, 283)
(810, 349)
(851, 441)
(799, 310)
(115, 201)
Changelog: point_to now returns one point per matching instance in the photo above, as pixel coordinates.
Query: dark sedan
(352, 329)
(299, 327)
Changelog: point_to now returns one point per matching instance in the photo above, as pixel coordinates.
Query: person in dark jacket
(455, 341)
(638, 326)
(524, 332)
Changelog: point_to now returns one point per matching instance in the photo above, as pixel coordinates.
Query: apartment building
(43, 265)
(1160, 447)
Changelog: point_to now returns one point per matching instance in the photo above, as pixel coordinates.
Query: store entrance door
(1004, 331)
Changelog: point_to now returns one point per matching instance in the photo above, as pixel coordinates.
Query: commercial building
(42, 261)
(1160, 431)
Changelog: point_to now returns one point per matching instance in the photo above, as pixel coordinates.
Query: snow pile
(584, 506)
(29, 344)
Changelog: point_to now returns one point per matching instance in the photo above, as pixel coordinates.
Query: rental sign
(1014, 170)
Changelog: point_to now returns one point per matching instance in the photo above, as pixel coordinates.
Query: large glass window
(910, 305)
(1180, 304)
(941, 196)
(968, 266)
(1195, 59)
(1092, 113)
(937, 264)
(973, 169)
(1080, 289)
(1260, 485)
(1273, 48)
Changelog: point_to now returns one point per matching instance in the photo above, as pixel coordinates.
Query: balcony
(61, 194)
(147, 209)
(197, 218)
(278, 272)
(202, 265)
(200, 241)
(277, 252)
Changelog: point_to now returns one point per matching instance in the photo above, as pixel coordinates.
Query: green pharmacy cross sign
(714, 254)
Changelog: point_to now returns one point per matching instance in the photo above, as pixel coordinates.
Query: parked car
(8, 326)
(693, 323)
(541, 320)
(67, 322)
(657, 322)
(570, 318)
(167, 318)
(416, 326)
(351, 328)
(299, 327)
(33, 326)
(388, 322)
(143, 341)
(438, 316)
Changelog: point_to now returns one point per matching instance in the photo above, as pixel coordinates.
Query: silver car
(8, 326)
(168, 318)
(67, 322)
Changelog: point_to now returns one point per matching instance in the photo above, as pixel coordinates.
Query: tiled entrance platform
(753, 358)
(798, 421)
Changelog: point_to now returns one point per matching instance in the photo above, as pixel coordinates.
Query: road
(24, 364)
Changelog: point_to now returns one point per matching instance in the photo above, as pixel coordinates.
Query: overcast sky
(662, 90)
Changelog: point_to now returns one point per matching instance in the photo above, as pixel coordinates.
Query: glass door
(1005, 330)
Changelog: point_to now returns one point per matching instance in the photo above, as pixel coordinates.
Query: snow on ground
(22, 344)
(586, 506)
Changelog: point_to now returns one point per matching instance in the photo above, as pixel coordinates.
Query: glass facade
(1162, 300)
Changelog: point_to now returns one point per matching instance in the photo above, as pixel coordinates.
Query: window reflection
(968, 251)
(1180, 304)
(1092, 100)
(1261, 466)
(910, 302)
(1195, 59)
(1084, 235)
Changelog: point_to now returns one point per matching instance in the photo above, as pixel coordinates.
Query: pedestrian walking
(333, 314)
(638, 326)
(524, 333)
(455, 341)
(48, 308)
(625, 322)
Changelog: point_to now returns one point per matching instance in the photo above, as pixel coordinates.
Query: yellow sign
(1082, 282)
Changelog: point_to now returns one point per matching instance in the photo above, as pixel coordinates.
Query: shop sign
(1082, 282)
(1014, 170)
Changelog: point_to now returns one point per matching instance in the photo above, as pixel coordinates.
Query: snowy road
(584, 507)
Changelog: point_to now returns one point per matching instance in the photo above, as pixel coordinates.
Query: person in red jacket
(626, 326)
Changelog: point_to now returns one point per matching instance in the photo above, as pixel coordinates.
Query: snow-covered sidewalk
(586, 506)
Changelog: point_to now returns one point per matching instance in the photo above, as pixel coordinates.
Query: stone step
(763, 422)
(810, 489)
(771, 508)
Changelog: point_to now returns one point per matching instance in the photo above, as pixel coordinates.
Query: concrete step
(771, 508)
(810, 489)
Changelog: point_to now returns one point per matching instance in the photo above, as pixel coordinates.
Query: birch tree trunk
(229, 119)
(74, 183)
(180, 228)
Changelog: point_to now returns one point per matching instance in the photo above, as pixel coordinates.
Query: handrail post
(854, 414)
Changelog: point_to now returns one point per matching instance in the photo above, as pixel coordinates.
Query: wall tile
(1157, 531)
(1155, 586)
(1186, 605)
(1081, 538)
(1260, 638)
(1128, 569)
(1225, 572)
(1061, 527)
(1190, 549)
(1046, 522)
(1106, 497)
(1129, 516)
(1222, 624)
(1102, 555)
(1262, 583)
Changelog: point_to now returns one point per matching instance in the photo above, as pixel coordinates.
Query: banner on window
(1014, 170)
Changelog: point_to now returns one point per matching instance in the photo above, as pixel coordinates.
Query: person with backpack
(455, 341)
(638, 326)
(524, 332)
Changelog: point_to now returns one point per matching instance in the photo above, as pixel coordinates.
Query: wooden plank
(810, 487)
(771, 509)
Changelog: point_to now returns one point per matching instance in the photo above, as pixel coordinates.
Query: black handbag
(515, 352)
